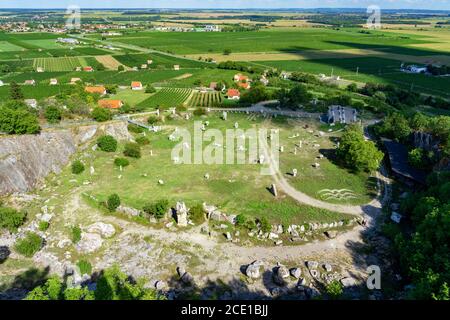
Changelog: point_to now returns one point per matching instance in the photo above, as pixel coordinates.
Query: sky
(218, 4)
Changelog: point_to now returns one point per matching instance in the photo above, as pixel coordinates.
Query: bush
(120, 68)
(135, 129)
(150, 89)
(245, 222)
(29, 245)
(181, 108)
(18, 121)
(152, 120)
(197, 214)
(53, 114)
(200, 112)
(157, 209)
(77, 167)
(107, 143)
(143, 141)
(334, 290)
(75, 234)
(101, 114)
(11, 219)
(132, 150)
(265, 225)
(121, 162)
(113, 202)
(85, 267)
(43, 225)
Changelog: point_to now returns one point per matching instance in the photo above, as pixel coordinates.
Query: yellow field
(109, 62)
(322, 54)
(440, 37)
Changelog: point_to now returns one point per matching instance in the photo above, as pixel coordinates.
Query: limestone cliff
(25, 160)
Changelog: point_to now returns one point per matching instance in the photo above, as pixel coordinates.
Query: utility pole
(357, 70)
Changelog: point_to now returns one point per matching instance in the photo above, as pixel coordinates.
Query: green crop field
(273, 40)
(160, 61)
(206, 100)
(7, 46)
(59, 64)
(167, 97)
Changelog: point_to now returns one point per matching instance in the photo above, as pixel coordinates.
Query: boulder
(187, 278)
(181, 271)
(90, 242)
(314, 273)
(129, 211)
(348, 282)
(331, 234)
(181, 212)
(312, 264)
(103, 229)
(253, 270)
(296, 272)
(160, 285)
(281, 273)
(327, 267)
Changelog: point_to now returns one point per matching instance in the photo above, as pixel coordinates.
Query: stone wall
(27, 159)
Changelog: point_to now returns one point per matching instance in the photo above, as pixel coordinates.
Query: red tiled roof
(233, 93)
(110, 104)
(99, 89)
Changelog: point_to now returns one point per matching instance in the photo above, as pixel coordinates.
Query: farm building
(176, 67)
(30, 82)
(75, 80)
(68, 40)
(149, 61)
(244, 85)
(1, 83)
(53, 82)
(233, 94)
(240, 77)
(264, 80)
(413, 69)
(31, 103)
(398, 160)
(88, 69)
(110, 104)
(136, 85)
(212, 28)
(98, 89)
(144, 66)
(339, 114)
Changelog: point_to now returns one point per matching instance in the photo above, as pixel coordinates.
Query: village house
(212, 28)
(244, 85)
(136, 85)
(240, 77)
(78, 69)
(30, 82)
(264, 80)
(88, 69)
(233, 94)
(101, 90)
(110, 104)
(339, 114)
(1, 83)
(144, 66)
(75, 80)
(31, 103)
(68, 40)
(53, 82)
(149, 62)
(176, 67)
(39, 69)
(413, 69)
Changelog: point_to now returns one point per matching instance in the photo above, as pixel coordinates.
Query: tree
(121, 162)
(150, 89)
(157, 209)
(107, 143)
(256, 94)
(357, 153)
(419, 121)
(15, 91)
(53, 114)
(352, 87)
(152, 120)
(396, 126)
(111, 89)
(113, 202)
(132, 150)
(293, 98)
(226, 52)
(265, 225)
(18, 121)
(112, 284)
(120, 68)
(101, 114)
(415, 157)
(77, 167)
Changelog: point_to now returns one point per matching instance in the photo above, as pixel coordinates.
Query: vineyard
(167, 97)
(206, 100)
(59, 64)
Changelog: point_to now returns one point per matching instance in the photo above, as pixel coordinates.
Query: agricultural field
(130, 97)
(160, 61)
(59, 64)
(167, 97)
(206, 100)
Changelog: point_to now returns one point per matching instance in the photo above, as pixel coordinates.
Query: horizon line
(219, 9)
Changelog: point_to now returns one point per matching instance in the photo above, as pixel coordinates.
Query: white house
(1, 83)
(53, 82)
(176, 67)
(136, 85)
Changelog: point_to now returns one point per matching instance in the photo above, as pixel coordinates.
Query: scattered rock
(331, 234)
(312, 264)
(327, 267)
(348, 282)
(89, 242)
(253, 270)
(281, 273)
(104, 229)
(160, 285)
(296, 272)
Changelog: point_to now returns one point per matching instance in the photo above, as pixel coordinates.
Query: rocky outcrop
(27, 159)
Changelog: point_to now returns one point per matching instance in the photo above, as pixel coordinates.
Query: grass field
(160, 61)
(59, 64)
(131, 97)
(234, 189)
(167, 97)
